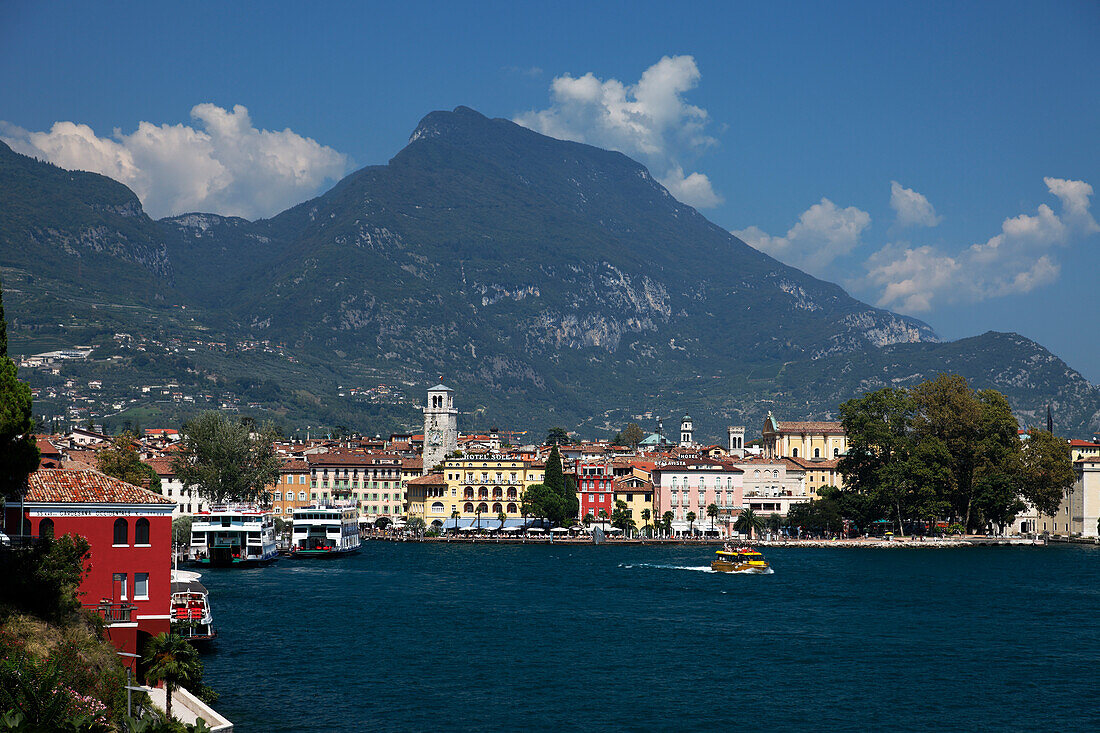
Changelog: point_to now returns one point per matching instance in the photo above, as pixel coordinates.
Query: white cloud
(912, 208)
(649, 121)
(225, 165)
(1019, 259)
(823, 233)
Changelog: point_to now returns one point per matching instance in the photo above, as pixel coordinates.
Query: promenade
(869, 542)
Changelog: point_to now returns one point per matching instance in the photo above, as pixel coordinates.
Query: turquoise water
(485, 637)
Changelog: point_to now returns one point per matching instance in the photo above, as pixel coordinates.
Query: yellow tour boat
(739, 561)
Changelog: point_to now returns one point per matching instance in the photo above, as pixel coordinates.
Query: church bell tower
(440, 427)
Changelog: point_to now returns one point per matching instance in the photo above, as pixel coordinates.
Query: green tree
(666, 519)
(589, 519)
(749, 523)
(542, 502)
(620, 517)
(42, 579)
(172, 660)
(691, 522)
(121, 460)
(502, 517)
(712, 512)
(416, 526)
(455, 515)
(557, 436)
(181, 530)
(18, 450)
(224, 460)
(632, 435)
(646, 515)
(773, 522)
(1047, 473)
(603, 516)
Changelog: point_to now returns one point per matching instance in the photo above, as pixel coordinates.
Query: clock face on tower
(435, 437)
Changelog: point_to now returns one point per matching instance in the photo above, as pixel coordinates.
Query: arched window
(817, 453)
(483, 507)
(483, 493)
(468, 507)
(836, 452)
(122, 532)
(497, 509)
(45, 528)
(468, 493)
(141, 532)
(511, 508)
(794, 453)
(437, 506)
(775, 474)
(511, 493)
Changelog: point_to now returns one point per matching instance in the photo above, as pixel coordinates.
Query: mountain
(549, 281)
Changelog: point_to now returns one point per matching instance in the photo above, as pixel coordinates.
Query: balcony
(112, 612)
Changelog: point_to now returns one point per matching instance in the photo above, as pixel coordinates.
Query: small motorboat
(741, 560)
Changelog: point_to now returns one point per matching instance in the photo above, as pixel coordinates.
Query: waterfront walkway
(876, 542)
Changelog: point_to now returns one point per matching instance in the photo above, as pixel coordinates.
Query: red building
(595, 489)
(129, 530)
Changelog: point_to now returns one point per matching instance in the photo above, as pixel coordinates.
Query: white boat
(324, 531)
(233, 535)
(191, 617)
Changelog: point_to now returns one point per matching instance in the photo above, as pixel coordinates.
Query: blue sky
(985, 115)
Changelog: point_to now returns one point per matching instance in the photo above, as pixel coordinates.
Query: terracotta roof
(351, 459)
(160, 464)
(412, 463)
(811, 427)
(819, 463)
(63, 486)
(46, 448)
(1083, 444)
(431, 479)
(294, 465)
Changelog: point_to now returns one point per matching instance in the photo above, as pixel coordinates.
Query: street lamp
(129, 687)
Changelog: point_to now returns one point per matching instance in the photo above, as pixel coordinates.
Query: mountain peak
(461, 121)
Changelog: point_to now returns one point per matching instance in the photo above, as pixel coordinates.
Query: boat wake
(695, 568)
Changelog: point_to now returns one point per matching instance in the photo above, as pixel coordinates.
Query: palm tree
(646, 514)
(588, 520)
(171, 660)
(455, 515)
(502, 516)
(749, 522)
(603, 517)
(691, 522)
(667, 518)
(712, 512)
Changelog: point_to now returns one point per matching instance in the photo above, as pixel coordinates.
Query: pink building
(691, 485)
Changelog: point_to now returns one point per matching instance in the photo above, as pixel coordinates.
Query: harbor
(645, 635)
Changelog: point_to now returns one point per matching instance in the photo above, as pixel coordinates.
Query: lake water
(603, 638)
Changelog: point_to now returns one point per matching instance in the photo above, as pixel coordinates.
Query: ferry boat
(324, 531)
(233, 535)
(740, 560)
(191, 617)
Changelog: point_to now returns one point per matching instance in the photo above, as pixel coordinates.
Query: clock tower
(440, 426)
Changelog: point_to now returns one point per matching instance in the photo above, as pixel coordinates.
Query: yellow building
(819, 474)
(481, 486)
(813, 440)
(637, 493)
